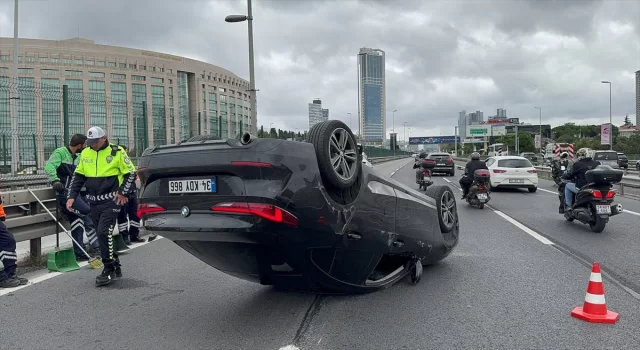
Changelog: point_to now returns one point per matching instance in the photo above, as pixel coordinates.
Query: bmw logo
(185, 211)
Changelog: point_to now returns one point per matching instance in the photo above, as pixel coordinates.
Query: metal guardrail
(28, 221)
(544, 172)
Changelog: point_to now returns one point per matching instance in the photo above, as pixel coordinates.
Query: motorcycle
(479, 191)
(423, 174)
(593, 204)
(557, 169)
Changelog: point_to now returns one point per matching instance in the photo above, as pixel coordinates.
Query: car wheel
(337, 153)
(446, 207)
(453, 172)
(532, 189)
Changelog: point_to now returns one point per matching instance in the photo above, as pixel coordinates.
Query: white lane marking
(542, 189)
(524, 228)
(447, 180)
(394, 172)
(289, 347)
(43, 275)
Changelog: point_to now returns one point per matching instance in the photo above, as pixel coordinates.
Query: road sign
(537, 140)
(498, 130)
(478, 130)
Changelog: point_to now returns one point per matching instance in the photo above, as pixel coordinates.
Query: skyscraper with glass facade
(141, 98)
(372, 95)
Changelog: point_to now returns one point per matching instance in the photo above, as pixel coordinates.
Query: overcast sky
(442, 57)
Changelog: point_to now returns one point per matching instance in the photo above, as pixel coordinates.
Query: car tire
(532, 189)
(453, 172)
(333, 138)
(446, 207)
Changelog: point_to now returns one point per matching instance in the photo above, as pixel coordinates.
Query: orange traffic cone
(595, 308)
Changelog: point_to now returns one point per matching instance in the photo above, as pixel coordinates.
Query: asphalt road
(501, 288)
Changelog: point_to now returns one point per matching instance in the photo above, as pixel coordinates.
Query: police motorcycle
(423, 174)
(558, 168)
(479, 191)
(593, 204)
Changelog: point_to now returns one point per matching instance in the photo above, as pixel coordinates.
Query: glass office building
(140, 98)
(372, 95)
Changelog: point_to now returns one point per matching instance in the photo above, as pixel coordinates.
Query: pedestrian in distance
(8, 256)
(130, 232)
(60, 167)
(109, 177)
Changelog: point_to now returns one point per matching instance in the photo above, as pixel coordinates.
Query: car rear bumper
(443, 169)
(530, 182)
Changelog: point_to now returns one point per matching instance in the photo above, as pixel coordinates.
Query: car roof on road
(508, 157)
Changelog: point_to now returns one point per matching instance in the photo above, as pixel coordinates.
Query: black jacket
(577, 171)
(474, 165)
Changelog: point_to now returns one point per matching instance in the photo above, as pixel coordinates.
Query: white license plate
(603, 209)
(516, 181)
(482, 196)
(193, 186)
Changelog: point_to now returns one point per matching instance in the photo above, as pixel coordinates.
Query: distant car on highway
(609, 158)
(623, 161)
(444, 163)
(531, 156)
(512, 172)
(304, 216)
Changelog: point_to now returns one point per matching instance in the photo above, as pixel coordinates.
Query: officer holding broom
(109, 177)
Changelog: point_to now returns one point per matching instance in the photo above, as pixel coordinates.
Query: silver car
(609, 158)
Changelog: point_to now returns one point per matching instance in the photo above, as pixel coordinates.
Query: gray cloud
(442, 56)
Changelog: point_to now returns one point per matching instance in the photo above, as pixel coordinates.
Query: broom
(93, 262)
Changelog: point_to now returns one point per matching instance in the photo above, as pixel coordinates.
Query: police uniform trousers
(129, 212)
(8, 255)
(79, 221)
(104, 215)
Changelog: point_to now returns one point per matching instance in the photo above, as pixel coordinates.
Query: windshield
(606, 156)
(514, 163)
(439, 156)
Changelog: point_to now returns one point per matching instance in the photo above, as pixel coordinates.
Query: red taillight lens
(266, 211)
(611, 194)
(534, 171)
(449, 161)
(597, 194)
(499, 171)
(254, 164)
(146, 208)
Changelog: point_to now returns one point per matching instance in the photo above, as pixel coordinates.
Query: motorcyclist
(576, 174)
(467, 179)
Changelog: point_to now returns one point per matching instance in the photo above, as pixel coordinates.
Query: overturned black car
(303, 216)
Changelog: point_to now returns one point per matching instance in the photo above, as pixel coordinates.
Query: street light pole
(15, 144)
(393, 131)
(350, 122)
(540, 109)
(456, 140)
(404, 132)
(610, 117)
(252, 78)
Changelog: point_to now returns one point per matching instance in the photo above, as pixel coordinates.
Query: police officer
(60, 167)
(109, 176)
(130, 232)
(8, 256)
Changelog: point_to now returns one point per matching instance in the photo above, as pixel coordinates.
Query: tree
(627, 121)
(526, 141)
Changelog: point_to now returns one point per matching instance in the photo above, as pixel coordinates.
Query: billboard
(537, 141)
(514, 120)
(498, 130)
(605, 134)
(432, 140)
(479, 130)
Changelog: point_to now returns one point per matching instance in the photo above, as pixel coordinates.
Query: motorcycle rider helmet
(475, 156)
(583, 153)
(564, 155)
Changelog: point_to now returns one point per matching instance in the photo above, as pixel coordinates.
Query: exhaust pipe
(246, 139)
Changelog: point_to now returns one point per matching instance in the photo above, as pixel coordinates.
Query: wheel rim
(447, 209)
(343, 154)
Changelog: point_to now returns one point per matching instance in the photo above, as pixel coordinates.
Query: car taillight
(254, 164)
(266, 211)
(534, 171)
(146, 208)
(499, 171)
(449, 161)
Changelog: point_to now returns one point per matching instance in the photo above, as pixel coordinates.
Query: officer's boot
(107, 276)
(117, 268)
